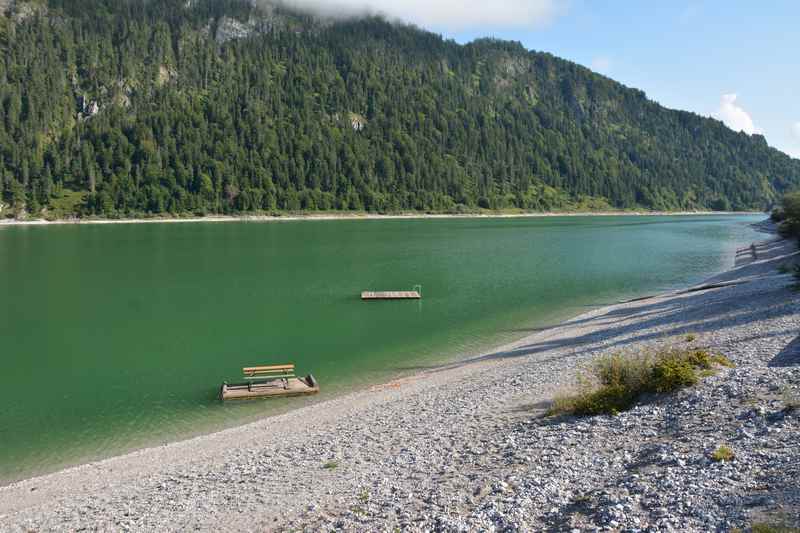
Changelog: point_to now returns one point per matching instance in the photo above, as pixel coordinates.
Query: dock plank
(295, 387)
(390, 295)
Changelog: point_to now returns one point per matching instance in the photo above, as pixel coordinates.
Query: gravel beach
(464, 446)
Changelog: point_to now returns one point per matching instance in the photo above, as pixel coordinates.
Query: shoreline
(406, 413)
(358, 216)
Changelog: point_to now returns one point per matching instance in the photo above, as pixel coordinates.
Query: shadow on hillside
(789, 356)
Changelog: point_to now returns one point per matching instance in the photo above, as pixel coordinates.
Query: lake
(115, 337)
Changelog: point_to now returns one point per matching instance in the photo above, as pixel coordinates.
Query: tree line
(123, 108)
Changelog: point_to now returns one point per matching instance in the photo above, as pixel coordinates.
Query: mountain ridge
(129, 108)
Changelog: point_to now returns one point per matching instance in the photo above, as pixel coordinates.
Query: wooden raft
(391, 295)
(276, 381)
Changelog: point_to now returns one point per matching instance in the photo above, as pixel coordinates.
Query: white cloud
(734, 115)
(601, 64)
(794, 150)
(450, 15)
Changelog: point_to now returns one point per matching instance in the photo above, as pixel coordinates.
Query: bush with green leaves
(616, 383)
(723, 454)
(790, 215)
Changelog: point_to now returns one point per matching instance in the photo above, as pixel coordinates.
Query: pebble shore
(465, 446)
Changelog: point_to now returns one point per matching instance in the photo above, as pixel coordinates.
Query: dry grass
(791, 400)
(773, 528)
(616, 383)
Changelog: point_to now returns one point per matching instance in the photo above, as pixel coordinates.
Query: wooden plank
(289, 366)
(273, 368)
(390, 295)
(268, 377)
(268, 373)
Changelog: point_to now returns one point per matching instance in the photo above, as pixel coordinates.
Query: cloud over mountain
(734, 116)
(452, 15)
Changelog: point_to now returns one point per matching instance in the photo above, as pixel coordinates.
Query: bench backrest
(268, 371)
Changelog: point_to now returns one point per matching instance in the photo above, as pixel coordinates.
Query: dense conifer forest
(123, 108)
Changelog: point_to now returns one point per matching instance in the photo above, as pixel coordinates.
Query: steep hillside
(164, 106)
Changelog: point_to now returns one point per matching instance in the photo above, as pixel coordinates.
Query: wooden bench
(256, 375)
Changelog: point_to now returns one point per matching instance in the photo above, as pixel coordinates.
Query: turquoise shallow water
(117, 336)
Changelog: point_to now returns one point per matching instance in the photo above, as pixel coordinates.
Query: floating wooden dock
(391, 295)
(249, 391)
(277, 381)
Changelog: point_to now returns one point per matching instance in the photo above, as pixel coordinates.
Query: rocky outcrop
(21, 11)
(358, 122)
(166, 74)
(230, 28)
(266, 17)
(87, 108)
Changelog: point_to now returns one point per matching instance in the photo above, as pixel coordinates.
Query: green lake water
(115, 337)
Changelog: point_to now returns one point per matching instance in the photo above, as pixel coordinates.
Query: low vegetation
(331, 465)
(788, 215)
(722, 454)
(773, 528)
(794, 270)
(616, 383)
(65, 203)
(791, 400)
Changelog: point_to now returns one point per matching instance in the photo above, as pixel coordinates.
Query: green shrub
(673, 373)
(789, 228)
(610, 399)
(790, 208)
(791, 205)
(723, 453)
(616, 383)
(778, 215)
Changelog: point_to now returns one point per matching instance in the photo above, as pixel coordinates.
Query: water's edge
(290, 217)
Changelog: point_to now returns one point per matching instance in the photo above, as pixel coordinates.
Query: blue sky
(685, 55)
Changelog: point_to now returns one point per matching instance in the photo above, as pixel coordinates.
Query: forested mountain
(127, 107)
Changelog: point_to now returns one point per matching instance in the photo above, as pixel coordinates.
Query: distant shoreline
(358, 216)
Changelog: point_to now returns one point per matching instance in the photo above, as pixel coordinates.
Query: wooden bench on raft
(260, 375)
